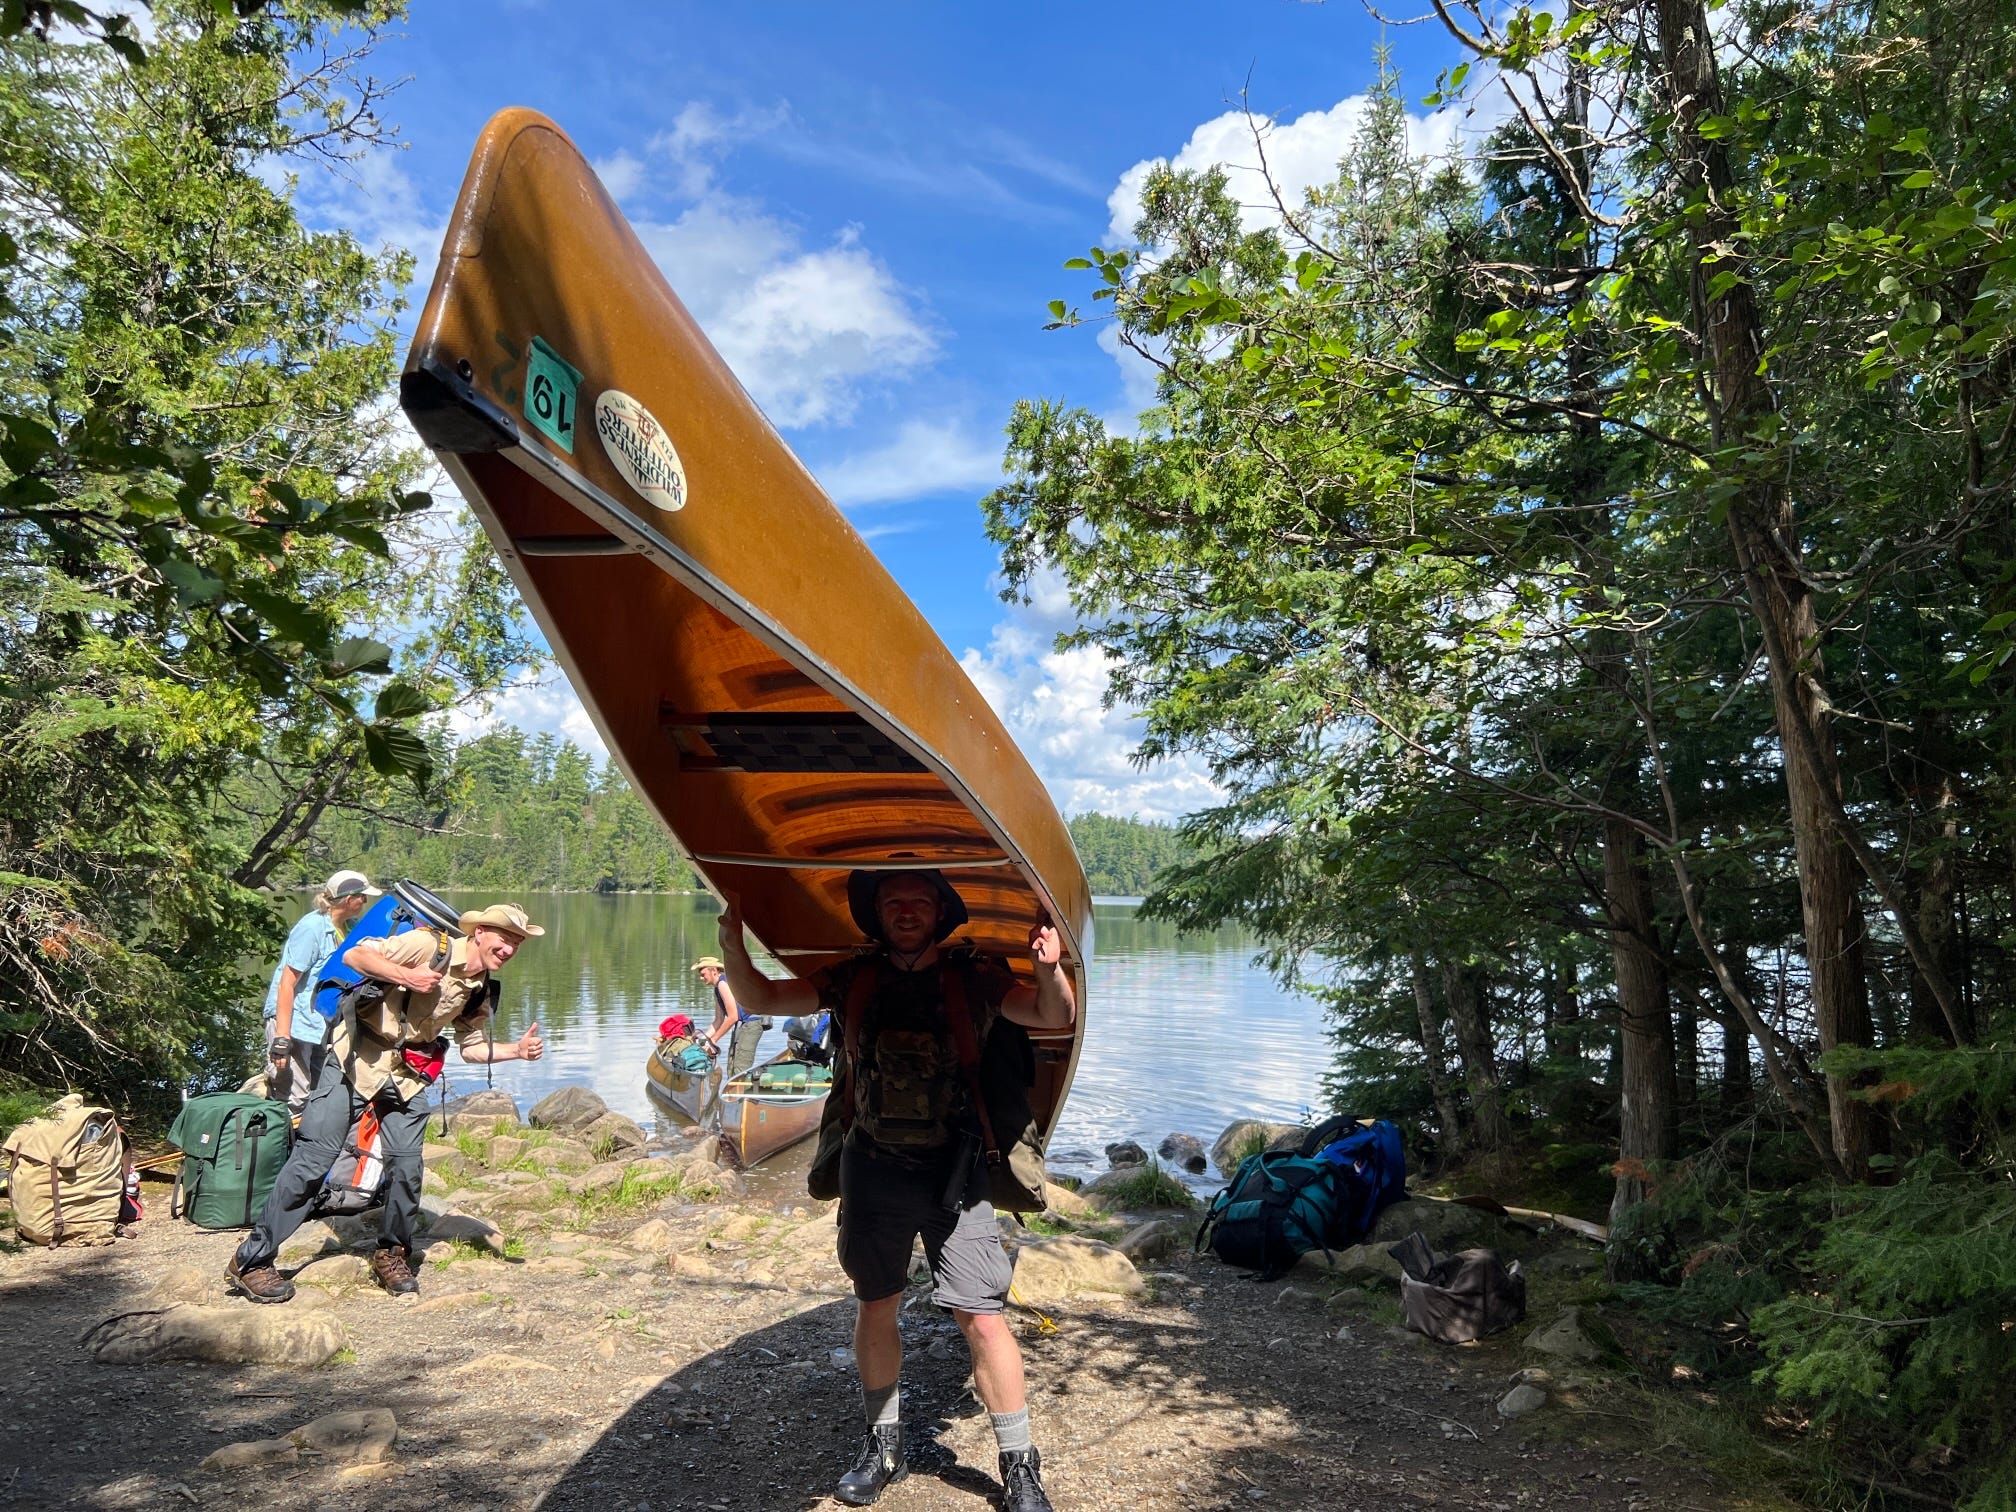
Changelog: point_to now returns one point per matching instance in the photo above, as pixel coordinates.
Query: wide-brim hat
(863, 885)
(506, 916)
(705, 961)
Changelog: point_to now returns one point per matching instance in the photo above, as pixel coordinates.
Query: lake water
(1183, 1032)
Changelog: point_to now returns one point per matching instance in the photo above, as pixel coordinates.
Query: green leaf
(399, 700)
(358, 654)
(192, 584)
(1924, 178)
(395, 751)
(294, 620)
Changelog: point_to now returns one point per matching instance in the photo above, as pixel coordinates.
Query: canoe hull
(757, 1124)
(692, 1097)
(768, 689)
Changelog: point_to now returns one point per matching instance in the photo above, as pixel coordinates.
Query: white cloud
(924, 457)
(1054, 704)
(804, 328)
(1296, 156)
(548, 705)
(621, 175)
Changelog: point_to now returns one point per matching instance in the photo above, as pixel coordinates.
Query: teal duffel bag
(233, 1145)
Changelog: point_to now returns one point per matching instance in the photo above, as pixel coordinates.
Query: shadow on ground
(1217, 1394)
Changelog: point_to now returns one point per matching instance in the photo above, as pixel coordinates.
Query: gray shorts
(883, 1208)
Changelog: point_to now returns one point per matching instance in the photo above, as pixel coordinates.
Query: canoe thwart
(844, 863)
(836, 741)
(450, 414)
(573, 546)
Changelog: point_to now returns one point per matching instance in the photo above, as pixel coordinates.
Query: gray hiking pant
(325, 1127)
(742, 1045)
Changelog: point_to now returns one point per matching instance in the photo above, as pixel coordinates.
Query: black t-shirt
(910, 1096)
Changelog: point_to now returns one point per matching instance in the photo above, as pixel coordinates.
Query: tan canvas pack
(65, 1174)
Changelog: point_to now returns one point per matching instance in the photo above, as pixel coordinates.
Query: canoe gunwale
(531, 457)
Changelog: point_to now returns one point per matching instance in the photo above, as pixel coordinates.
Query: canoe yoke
(839, 741)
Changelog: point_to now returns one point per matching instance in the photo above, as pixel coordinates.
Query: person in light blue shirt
(294, 1030)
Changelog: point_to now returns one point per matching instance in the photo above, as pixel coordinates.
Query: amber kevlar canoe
(767, 687)
(689, 1094)
(773, 1106)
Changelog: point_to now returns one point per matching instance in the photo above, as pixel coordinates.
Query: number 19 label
(549, 394)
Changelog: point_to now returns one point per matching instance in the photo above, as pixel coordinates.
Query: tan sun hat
(705, 961)
(506, 916)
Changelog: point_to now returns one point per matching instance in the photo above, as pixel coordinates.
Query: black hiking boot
(881, 1465)
(1022, 1482)
(261, 1283)
(391, 1269)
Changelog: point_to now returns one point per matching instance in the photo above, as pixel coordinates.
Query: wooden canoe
(759, 1121)
(689, 1094)
(757, 674)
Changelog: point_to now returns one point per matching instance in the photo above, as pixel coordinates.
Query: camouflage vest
(910, 1096)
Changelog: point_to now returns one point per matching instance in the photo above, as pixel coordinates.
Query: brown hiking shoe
(261, 1283)
(391, 1269)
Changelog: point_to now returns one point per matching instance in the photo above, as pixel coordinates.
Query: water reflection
(1185, 1033)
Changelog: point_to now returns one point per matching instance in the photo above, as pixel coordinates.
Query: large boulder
(222, 1335)
(1576, 1337)
(1049, 1271)
(1360, 1265)
(1063, 1201)
(624, 1135)
(1157, 1239)
(602, 1177)
(1248, 1135)
(1122, 1187)
(1185, 1150)
(562, 1155)
(489, 1103)
(362, 1437)
(1445, 1225)
(1125, 1153)
(569, 1108)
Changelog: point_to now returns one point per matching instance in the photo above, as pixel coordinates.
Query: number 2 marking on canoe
(549, 394)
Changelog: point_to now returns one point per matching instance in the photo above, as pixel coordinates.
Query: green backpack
(233, 1145)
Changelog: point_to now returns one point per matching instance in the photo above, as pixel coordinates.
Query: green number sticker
(549, 393)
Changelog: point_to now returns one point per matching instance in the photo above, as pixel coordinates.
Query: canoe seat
(794, 1077)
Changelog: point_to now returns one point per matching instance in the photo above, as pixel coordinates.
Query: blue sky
(867, 206)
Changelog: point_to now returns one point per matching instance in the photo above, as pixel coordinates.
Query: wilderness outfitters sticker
(641, 450)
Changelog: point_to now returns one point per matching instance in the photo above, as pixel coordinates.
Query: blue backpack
(1283, 1203)
(406, 906)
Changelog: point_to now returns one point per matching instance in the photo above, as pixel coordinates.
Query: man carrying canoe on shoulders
(912, 1127)
(387, 1049)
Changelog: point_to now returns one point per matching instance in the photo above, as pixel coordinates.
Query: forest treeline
(536, 813)
(510, 811)
(1585, 562)
(1123, 857)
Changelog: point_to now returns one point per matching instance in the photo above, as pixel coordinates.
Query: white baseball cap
(350, 884)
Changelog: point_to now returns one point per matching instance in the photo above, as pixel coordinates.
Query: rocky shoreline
(606, 1325)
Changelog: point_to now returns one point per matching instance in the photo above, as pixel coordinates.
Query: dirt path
(690, 1365)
